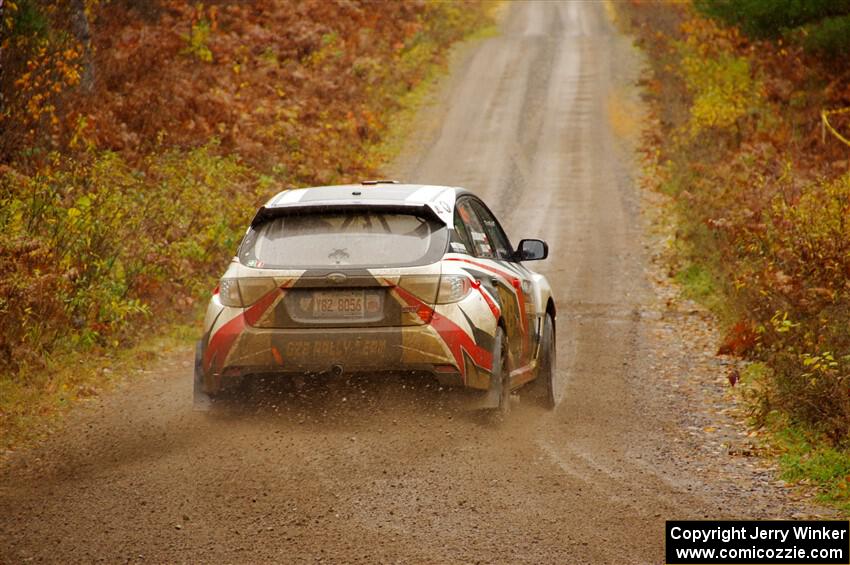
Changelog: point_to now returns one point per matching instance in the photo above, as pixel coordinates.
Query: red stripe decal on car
(501, 273)
(515, 282)
(453, 335)
(494, 308)
(222, 341)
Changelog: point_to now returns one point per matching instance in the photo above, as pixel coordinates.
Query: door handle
(495, 281)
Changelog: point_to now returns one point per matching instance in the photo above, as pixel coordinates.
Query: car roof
(386, 192)
(441, 199)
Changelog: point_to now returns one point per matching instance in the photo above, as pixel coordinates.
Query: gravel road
(537, 120)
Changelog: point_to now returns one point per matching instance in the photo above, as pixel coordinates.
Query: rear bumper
(260, 350)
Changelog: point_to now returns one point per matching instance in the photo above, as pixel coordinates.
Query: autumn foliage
(762, 197)
(138, 138)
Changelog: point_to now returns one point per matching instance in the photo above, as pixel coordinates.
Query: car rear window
(344, 239)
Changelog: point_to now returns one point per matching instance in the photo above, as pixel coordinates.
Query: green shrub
(90, 247)
(822, 25)
(771, 18)
(27, 20)
(830, 36)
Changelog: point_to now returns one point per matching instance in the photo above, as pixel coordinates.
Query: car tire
(544, 387)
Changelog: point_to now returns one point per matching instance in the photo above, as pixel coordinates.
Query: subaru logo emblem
(336, 278)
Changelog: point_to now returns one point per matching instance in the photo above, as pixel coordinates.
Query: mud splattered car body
(377, 277)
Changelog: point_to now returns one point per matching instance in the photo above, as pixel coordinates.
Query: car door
(519, 279)
(502, 277)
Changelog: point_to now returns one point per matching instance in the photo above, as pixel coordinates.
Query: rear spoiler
(266, 213)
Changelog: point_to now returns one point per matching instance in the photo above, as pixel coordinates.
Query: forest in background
(747, 134)
(139, 138)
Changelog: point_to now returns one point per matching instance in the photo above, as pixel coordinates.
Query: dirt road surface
(537, 120)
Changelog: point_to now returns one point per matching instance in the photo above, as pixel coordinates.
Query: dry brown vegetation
(761, 200)
(138, 137)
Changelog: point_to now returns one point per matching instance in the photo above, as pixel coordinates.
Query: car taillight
(252, 289)
(423, 287)
(241, 293)
(453, 288)
(228, 293)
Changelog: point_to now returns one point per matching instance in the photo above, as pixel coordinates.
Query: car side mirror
(532, 250)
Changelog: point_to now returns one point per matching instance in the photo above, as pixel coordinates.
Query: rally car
(382, 276)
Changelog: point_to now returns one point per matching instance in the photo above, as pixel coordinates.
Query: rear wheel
(544, 388)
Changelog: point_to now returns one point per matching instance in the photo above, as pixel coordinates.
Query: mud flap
(492, 398)
(201, 401)
(545, 389)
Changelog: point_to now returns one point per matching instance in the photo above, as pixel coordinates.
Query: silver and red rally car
(382, 277)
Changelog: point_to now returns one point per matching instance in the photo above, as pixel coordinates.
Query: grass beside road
(32, 408)
(810, 460)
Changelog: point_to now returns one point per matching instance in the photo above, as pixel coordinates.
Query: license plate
(339, 304)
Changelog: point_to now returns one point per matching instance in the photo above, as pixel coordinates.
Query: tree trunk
(80, 26)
